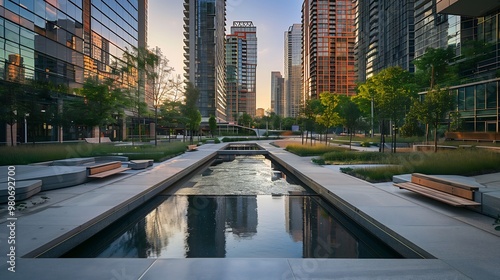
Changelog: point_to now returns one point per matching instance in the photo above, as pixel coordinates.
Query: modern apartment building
(277, 93)
(328, 47)
(241, 68)
(60, 44)
(384, 36)
(478, 98)
(204, 38)
(294, 100)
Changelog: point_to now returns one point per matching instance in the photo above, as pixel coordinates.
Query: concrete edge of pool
(462, 251)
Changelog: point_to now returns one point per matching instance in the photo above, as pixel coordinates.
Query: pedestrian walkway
(455, 243)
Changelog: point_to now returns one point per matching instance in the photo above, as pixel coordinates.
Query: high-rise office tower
(204, 31)
(277, 93)
(241, 66)
(64, 42)
(328, 47)
(384, 36)
(294, 99)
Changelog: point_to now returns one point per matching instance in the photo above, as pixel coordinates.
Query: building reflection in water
(237, 226)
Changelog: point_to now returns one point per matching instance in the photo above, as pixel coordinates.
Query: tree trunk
(435, 139)
(350, 140)
(156, 122)
(427, 134)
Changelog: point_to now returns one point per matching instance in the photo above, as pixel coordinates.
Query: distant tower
(294, 99)
(204, 38)
(328, 47)
(277, 93)
(241, 63)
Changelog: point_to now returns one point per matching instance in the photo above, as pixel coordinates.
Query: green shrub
(462, 162)
(27, 154)
(315, 150)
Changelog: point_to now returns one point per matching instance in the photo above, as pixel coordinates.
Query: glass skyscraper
(384, 36)
(328, 47)
(294, 99)
(205, 67)
(241, 65)
(63, 42)
(277, 93)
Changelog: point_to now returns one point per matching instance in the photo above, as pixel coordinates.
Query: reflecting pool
(237, 209)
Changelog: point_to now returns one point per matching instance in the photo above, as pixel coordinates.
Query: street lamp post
(26, 128)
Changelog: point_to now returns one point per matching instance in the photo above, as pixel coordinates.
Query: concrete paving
(455, 243)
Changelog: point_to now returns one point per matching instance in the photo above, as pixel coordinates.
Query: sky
(271, 17)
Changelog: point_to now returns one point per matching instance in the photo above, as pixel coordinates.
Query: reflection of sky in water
(246, 175)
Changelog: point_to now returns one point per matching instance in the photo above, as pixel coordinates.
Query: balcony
(467, 7)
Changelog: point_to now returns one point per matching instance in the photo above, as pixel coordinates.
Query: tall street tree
(350, 116)
(137, 66)
(329, 115)
(436, 104)
(393, 91)
(99, 102)
(433, 67)
(190, 109)
(158, 74)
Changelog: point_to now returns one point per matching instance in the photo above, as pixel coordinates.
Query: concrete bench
(446, 191)
(140, 164)
(192, 148)
(95, 140)
(105, 169)
(23, 190)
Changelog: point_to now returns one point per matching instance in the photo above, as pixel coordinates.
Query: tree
(171, 115)
(11, 107)
(137, 65)
(190, 109)
(310, 112)
(98, 104)
(436, 104)
(329, 115)
(392, 90)
(212, 124)
(433, 67)
(350, 116)
(158, 73)
(245, 119)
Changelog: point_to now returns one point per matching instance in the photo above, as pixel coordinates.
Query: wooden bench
(192, 148)
(105, 169)
(443, 190)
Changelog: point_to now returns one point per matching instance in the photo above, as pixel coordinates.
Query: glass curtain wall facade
(328, 42)
(384, 36)
(205, 67)
(277, 93)
(477, 98)
(60, 43)
(294, 99)
(241, 62)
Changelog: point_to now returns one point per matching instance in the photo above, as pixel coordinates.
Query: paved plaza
(443, 242)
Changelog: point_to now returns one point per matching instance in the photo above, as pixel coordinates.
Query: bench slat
(437, 195)
(98, 168)
(448, 182)
(109, 172)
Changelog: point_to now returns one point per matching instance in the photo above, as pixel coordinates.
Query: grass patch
(47, 152)
(359, 157)
(466, 163)
(315, 150)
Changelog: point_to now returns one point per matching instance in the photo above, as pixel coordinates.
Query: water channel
(245, 207)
